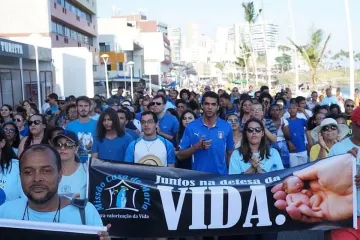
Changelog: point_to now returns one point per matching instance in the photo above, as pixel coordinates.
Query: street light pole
(105, 58)
(296, 52)
(351, 51)
(131, 65)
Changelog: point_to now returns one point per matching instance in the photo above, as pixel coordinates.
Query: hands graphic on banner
(331, 183)
(105, 235)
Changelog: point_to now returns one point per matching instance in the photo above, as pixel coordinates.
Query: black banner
(148, 201)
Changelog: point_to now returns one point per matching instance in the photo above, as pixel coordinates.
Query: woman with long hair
(186, 117)
(12, 135)
(9, 171)
(38, 132)
(245, 111)
(281, 125)
(73, 181)
(6, 114)
(111, 141)
(233, 120)
(27, 106)
(20, 122)
(255, 156)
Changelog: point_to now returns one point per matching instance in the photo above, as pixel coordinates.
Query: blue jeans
(283, 150)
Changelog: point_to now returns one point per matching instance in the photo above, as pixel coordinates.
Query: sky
(328, 15)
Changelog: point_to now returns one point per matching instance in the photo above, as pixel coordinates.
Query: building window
(94, 68)
(109, 67)
(70, 33)
(121, 66)
(104, 47)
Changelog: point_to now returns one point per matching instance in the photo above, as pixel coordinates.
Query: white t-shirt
(280, 133)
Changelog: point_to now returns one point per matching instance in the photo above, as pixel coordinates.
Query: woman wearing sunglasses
(73, 181)
(233, 120)
(328, 133)
(20, 122)
(12, 135)
(255, 156)
(9, 171)
(186, 117)
(37, 134)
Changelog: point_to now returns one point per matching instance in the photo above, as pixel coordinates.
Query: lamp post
(105, 59)
(130, 64)
(295, 50)
(351, 53)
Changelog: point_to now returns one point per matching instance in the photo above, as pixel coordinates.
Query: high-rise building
(194, 36)
(262, 34)
(58, 23)
(175, 43)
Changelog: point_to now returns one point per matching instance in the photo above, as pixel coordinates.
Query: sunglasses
(329, 127)
(155, 103)
(9, 130)
(61, 102)
(233, 121)
(36, 122)
(67, 145)
(251, 130)
(352, 106)
(18, 120)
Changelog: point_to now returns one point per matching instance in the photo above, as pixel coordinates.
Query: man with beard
(208, 139)
(40, 174)
(84, 127)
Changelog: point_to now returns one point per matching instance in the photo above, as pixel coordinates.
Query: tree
(250, 17)
(243, 60)
(284, 62)
(313, 52)
(283, 48)
(220, 66)
(357, 58)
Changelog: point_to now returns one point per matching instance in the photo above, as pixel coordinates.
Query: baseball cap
(68, 135)
(355, 116)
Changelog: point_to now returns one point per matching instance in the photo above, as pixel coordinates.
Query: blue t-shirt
(69, 214)
(132, 133)
(341, 148)
(157, 152)
(86, 133)
(24, 132)
(212, 160)
(297, 133)
(239, 166)
(10, 185)
(75, 183)
(112, 149)
(327, 101)
(169, 125)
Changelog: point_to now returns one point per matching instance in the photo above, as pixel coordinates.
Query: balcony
(63, 15)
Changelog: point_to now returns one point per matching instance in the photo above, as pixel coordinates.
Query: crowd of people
(215, 132)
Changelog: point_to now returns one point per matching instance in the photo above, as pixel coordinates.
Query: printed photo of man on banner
(170, 202)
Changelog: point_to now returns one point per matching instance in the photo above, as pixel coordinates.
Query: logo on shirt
(66, 189)
(122, 192)
(221, 134)
(197, 134)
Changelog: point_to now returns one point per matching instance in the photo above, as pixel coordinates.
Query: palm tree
(243, 60)
(221, 67)
(284, 48)
(313, 52)
(250, 18)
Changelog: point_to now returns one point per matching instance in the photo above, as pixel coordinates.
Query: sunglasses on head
(36, 122)
(66, 145)
(251, 130)
(329, 127)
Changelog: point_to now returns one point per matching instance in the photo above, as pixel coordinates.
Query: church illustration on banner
(122, 197)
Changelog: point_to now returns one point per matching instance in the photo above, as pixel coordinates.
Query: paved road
(301, 235)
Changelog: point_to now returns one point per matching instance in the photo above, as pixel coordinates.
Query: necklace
(148, 147)
(57, 214)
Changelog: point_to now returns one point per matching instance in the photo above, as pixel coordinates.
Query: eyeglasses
(352, 106)
(66, 145)
(36, 122)
(235, 90)
(329, 127)
(256, 110)
(150, 121)
(18, 120)
(251, 130)
(231, 121)
(9, 130)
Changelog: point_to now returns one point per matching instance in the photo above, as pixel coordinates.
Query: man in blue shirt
(84, 127)
(124, 118)
(329, 99)
(228, 106)
(168, 124)
(209, 139)
(40, 173)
